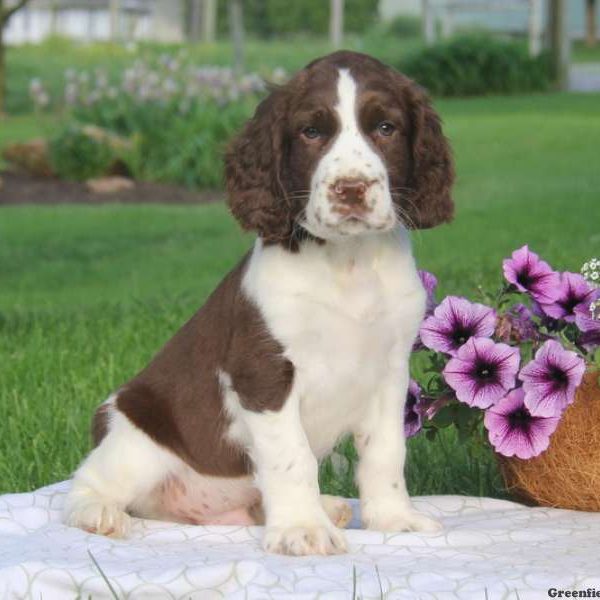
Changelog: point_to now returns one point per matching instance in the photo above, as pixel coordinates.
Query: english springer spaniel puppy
(306, 340)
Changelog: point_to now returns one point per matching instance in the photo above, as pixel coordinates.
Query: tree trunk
(590, 23)
(53, 18)
(536, 27)
(559, 43)
(209, 21)
(5, 14)
(115, 20)
(194, 17)
(236, 26)
(2, 64)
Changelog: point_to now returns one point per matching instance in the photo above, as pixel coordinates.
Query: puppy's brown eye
(386, 128)
(311, 133)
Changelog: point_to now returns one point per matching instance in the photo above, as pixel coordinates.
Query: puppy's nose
(350, 191)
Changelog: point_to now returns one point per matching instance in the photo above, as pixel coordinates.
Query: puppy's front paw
(401, 520)
(300, 541)
(95, 516)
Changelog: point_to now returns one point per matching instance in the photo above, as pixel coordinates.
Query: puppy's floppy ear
(433, 169)
(252, 172)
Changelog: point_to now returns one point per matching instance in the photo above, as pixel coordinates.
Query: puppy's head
(347, 146)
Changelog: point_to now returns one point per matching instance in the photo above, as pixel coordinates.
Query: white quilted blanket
(489, 549)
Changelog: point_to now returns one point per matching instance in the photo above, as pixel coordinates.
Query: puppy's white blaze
(346, 106)
(350, 156)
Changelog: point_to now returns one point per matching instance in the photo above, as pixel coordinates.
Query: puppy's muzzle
(348, 197)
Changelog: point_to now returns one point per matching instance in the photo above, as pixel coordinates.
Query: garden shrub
(474, 64)
(186, 149)
(404, 26)
(171, 119)
(77, 155)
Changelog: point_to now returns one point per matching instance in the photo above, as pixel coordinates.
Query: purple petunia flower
(587, 314)
(429, 281)
(529, 274)
(413, 415)
(550, 379)
(514, 431)
(482, 371)
(454, 322)
(573, 291)
(587, 319)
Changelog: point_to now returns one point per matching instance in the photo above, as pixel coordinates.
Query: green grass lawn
(582, 53)
(88, 294)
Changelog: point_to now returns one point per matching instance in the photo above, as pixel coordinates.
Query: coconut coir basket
(567, 475)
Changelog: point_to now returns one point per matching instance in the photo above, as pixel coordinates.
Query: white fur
(286, 474)
(350, 157)
(127, 465)
(347, 314)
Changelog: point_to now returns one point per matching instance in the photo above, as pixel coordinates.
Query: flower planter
(567, 475)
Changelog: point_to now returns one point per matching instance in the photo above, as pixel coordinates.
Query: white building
(508, 16)
(388, 9)
(97, 20)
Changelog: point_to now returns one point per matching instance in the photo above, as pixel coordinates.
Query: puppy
(307, 339)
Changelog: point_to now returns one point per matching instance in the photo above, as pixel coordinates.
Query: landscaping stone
(31, 157)
(109, 185)
(22, 188)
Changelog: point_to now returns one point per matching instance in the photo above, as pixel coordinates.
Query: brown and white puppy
(306, 340)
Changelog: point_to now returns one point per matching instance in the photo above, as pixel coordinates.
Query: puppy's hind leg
(125, 466)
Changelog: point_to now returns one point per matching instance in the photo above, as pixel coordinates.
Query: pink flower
(454, 322)
(482, 371)
(529, 274)
(587, 319)
(550, 380)
(573, 291)
(429, 282)
(514, 431)
(413, 413)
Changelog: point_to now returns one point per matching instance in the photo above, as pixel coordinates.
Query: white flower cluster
(168, 79)
(591, 271)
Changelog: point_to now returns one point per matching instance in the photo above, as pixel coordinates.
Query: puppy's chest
(341, 323)
(340, 339)
(345, 317)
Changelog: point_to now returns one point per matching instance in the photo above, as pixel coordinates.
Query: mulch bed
(21, 188)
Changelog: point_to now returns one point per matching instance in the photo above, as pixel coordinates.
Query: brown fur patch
(100, 424)
(177, 399)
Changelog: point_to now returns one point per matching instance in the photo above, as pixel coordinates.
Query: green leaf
(431, 434)
(444, 418)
